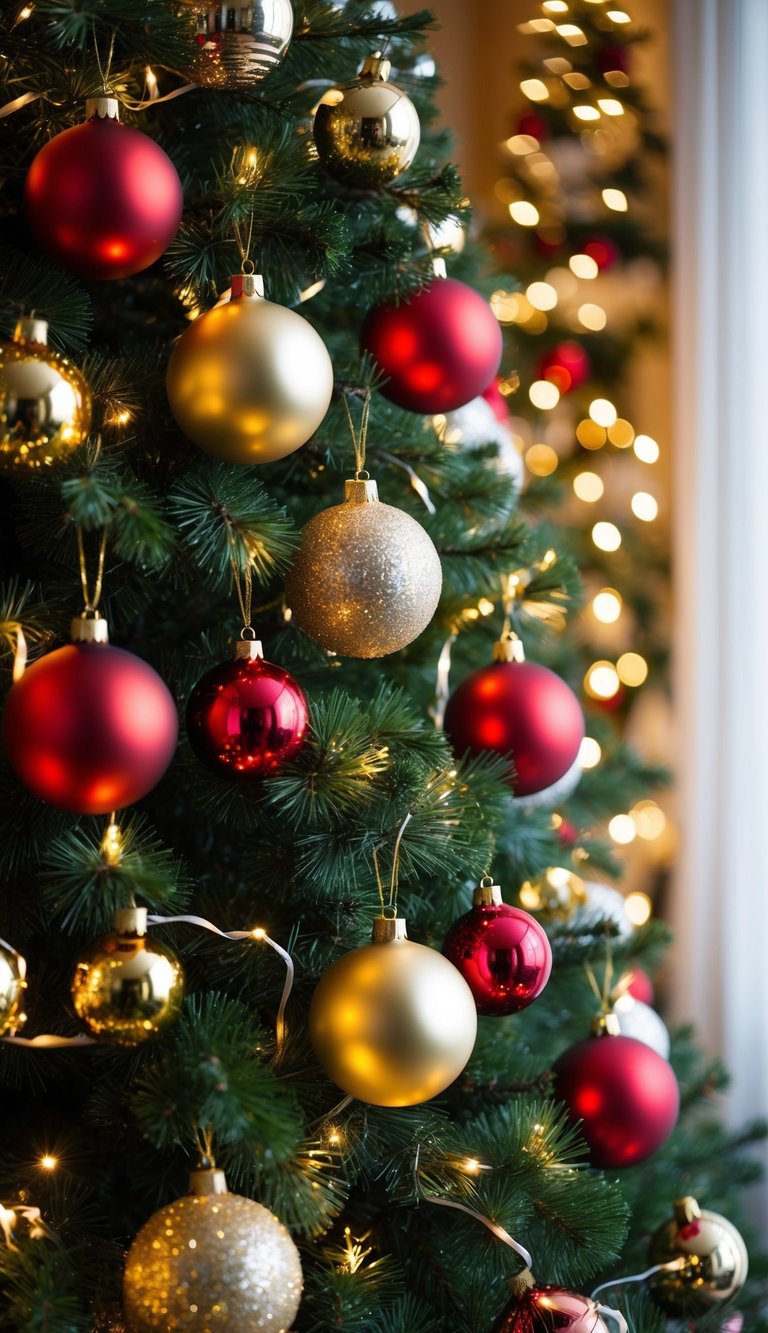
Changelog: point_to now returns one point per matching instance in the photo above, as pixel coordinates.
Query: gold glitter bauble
(366, 580)
(240, 43)
(367, 132)
(249, 381)
(212, 1261)
(716, 1261)
(393, 1023)
(128, 988)
(12, 986)
(45, 403)
(554, 895)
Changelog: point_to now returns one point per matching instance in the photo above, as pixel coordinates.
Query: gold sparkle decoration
(45, 403)
(212, 1260)
(367, 579)
(367, 132)
(128, 987)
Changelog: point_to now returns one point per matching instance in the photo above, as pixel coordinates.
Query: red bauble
(103, 200)
(522, 709)
(439, 350)
(90, 728)
(502, 953)
(603, 250)
(623, 1095)
(566, 365)
(638, 984)
(496, 400)
(246, 718)
(614, 58)
(534, 125)
(543, 1309)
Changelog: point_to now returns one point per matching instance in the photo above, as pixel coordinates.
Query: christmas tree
(238, 1093)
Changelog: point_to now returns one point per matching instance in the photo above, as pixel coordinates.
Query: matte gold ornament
(238, 44)
(127, 987)
(249, 381)
(45, 403)
(713, 1261)
(555, 895)
(212, 1260)
(367, 579)
(12, 987)
(367, 132)
(393, 1023)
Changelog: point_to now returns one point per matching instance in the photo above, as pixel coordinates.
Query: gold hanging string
(608, 978)
(359, 438)
(106, 71)
(393, 884)
(592, 979)
(244, 246)
(204, 1136)
(91, 600)
(243, 581)
(379, 884)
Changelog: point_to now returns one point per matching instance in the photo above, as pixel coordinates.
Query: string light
(505, 306)
(644, 506)
(602, 411)
(572, 34)
(588, 487)
(592, 316)
(606, 606)
(650, 820)
(610, 106)
(646, 449)
(112, 844)
(590, 752)
(590, 435)
(541, 296)
(632, 669)
(544, 394)
(586, 112)
(524, 213)
(584, 266)
(541, 460)
(618, 16)
(638, 908)
(259, 933)
(120, 418)
(48, 1162)
(534, 90)
(622, 829)
(606, 536)
(616, 200)
(522, 144)
(621, 433)
(602, 680)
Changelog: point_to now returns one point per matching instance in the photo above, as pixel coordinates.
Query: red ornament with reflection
(246, 718)
(438, 350)
(623, 1096)
(520, 709)
(566, 365)
(103, 200)
(90, 728)
(544, 1309)
(503, 955)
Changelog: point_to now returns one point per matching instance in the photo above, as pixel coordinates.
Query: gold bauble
(367, 132)
(249, 381)
(212, 1261)
(12, 986)
(715, 1261)
(240, 43)
(554, 895)
(45, 403)
(393, 1023)
(128, 988)
(366, 579)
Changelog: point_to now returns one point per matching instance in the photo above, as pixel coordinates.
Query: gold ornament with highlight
(240, 43)
(249, 381)
(128, 988)
(12, 987)
(212, 1260)
(45, 403)
(367, 132)
(367, 579)
(393, 1023)
(554, 895)
(712, 1256)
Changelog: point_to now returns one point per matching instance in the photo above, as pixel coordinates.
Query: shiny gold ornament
(249, 381)
(212, 1260)
(555, 895)
(713, 1261)
(45, 403)
(392, 1023)
(367, 132)
(128, 988)
(12, 987)
(238, 44)
(366, 580)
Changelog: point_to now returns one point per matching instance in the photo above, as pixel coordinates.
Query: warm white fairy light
(524, 213)
(589, 487)
(646, 449)
(616, 200)
(544, 394)
(48, 1162)
(638, 908)
(622, 830)
(602, 411)
(541, 460)
(610, 106)
(632, 669)
(586, 112)
(590, 752)
(602, 680)
(606, 606)
(534, 90)
(606, 536)
(650, 820)
(541, 295)
(644, 506)
(592, 316)
(572, 34)
(584, 266)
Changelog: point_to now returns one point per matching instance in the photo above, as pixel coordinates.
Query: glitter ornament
(367, 579)
(438, 349)
(535, 1309)
(621, 1094)
(103, 200)
(45, 403)
(90, 728)
(247, 717)
(12, 986)
(712, 1256)
(212, 1260)
(640, 1021)
(501, 952)
(239, 44)
(521, 709)
(249, 381)
(367, 132)
(128, 987)
(392, 1023)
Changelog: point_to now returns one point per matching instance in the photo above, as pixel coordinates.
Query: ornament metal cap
(246, 287)
(131, 921)
(487, 894)
(686, 1210)
(509, 649)
(102, 107)
(388, 929)
(248, 649)
(31, 330)
(605, 1025)
(521, 1282)
(360, 491)
(89, 627)
(207, 1180)
(376, 66)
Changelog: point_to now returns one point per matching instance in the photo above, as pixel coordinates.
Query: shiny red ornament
(566, 365)
(502, 953)
(521, 709)
(247, 717)
(496, 400)
(638, 984)
(90, 728)
(103, 200)
(623, 1096)
(544, 1309)
(438, 350)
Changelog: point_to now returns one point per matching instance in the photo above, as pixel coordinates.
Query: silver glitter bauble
(240, 43)
(366, 579)
(212, 1260)
(712, 1258)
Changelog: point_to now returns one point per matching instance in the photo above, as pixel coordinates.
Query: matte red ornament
(623, 1096)
(438, 350)
(521, 709)
(638, 984)
(502, 953)
(566, 365)
(90, 728)
(535, 1309)
(103, 200)
(247, 717)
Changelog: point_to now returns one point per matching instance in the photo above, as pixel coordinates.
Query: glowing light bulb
(646, 449)
(523, 213)
(622, 829)
(602, 411)
(606, 536)
(588, 487)
(544, 394)
(590, 752)
(602, 680)
(644, 506)
(606, 606)
(638, 908)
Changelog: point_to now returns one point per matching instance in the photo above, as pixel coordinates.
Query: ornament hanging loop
(106, 89)
(359, 438)
(91, 599)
